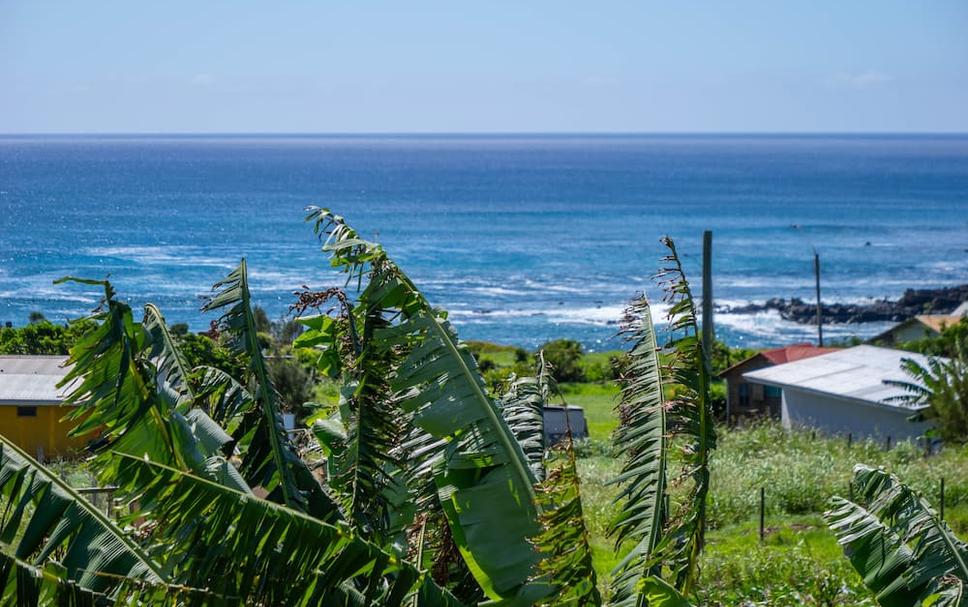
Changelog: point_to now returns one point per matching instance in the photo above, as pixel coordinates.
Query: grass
(800, 562)
(598, 401)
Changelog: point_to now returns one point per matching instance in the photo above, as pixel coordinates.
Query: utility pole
(816, 271)
(707, 298)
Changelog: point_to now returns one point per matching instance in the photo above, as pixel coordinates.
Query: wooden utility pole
(816, 271)
(707, 297)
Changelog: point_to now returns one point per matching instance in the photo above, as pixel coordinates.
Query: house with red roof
(745, 399)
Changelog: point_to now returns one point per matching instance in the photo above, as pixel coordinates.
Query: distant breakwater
(912, 303)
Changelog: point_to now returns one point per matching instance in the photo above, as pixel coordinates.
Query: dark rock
(911, 303)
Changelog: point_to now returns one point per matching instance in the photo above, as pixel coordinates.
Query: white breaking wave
(160, 255)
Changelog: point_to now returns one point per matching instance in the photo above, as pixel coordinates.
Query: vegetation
(41, 336)
(941, 387)
(423, 483)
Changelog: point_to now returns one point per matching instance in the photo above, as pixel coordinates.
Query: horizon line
(470, 133)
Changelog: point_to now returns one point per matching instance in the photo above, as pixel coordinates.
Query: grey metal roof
(856, 373)
(31, 379)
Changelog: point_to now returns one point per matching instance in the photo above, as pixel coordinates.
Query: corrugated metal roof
(31, 379)
(856, 373)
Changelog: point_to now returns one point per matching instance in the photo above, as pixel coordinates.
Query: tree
(942, 386)
(564, 357)
(41, 337)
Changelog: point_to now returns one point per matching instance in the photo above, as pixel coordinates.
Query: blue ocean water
(522, 238)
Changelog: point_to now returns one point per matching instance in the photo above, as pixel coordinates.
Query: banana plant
(127, 383)
(44, 517)
(431, 483)
(484, 484)
(564, 539)
(268, 458)
(665, 542)
(901, 548)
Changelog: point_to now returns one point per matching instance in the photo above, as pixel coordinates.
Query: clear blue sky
(488, 66)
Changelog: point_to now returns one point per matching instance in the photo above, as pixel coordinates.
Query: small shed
(557, 420)
(745, 399)
(31, 406)
(843, 392)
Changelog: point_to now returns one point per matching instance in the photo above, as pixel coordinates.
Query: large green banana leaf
(44, 518)
(642, 437)
(269, 459)
(485, 485)
(127, 381)
(236, 544)
(901, 548)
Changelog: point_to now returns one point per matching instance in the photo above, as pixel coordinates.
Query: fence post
(942, 498)
(850, 439)
(762, 514)
(888, 443)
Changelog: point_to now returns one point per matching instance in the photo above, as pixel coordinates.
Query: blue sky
(486, 66)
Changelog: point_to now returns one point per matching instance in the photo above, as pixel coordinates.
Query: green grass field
(799, 563)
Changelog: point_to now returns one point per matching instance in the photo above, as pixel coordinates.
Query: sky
(486, 66)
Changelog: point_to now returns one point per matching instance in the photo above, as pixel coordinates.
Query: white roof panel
(31, 379)
(856, 373)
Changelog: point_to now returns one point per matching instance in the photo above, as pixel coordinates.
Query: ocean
(522, 238)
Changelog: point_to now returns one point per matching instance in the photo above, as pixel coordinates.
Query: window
(744, 394)
(26, 411)
(773, 392)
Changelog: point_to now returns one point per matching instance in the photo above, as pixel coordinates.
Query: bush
(565, 357)
(42, 337)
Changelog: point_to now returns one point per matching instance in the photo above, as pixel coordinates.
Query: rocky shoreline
(911, 303)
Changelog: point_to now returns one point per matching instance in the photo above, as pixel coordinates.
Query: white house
(844, 393)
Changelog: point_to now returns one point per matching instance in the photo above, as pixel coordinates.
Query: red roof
(778, 356)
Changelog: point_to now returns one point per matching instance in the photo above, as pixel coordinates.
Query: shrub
(564, 356)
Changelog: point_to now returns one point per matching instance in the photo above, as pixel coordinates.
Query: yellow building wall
(43, 436)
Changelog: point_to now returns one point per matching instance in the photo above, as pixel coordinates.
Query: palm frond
(484, 481)
(44, 516)
(236, 544)
(642, 437)
(903, 551)
(269, 459)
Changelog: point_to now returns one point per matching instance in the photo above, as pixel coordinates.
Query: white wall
(839, 416)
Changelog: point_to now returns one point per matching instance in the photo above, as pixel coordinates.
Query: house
(843, 392)
(558, 419)
(744, 399)
(917, 327)
(30, 406)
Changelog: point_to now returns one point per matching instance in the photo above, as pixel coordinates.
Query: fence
(101, 497)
